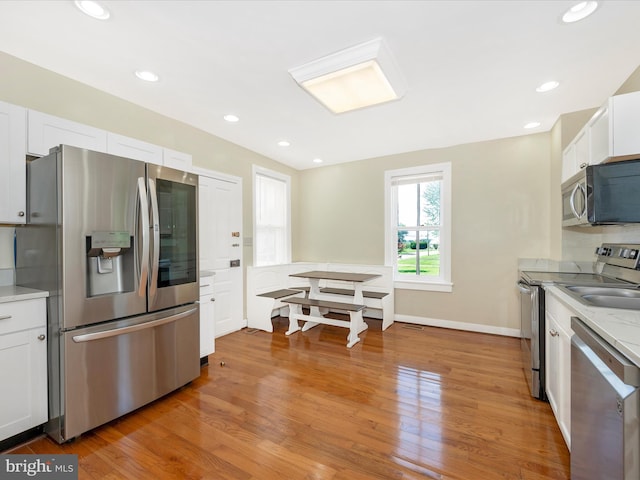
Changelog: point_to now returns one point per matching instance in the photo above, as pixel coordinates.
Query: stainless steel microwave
(604, 194)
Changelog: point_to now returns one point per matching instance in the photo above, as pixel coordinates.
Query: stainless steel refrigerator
(115, 243)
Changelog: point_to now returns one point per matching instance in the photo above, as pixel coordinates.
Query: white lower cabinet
(23, 361)
(207, 316)
(558, 362)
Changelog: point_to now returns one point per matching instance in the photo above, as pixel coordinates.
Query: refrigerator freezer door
(112, 369)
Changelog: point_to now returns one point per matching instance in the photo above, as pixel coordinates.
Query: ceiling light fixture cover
(358, 77)
(532, 125)
(93, 9)
(231, 118)
(579, 11)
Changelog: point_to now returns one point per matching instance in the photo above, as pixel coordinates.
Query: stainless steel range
(616, 264)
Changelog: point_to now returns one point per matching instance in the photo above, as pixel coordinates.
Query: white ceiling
(471, 66)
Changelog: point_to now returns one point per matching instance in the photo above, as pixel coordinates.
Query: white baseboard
(469, 327)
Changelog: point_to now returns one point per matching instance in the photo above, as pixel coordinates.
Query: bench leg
(294, 311)
(356, 326)
(259, 313)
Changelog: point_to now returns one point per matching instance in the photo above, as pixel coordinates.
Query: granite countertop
(12, 293)
(621, 328)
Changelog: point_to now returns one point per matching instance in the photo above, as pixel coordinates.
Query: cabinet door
(582, 150)
(133, 148)
(177, 160)
(569, 162)
(599, 135)
(46, 131)
(13, 198)
(23, 404)
(553, 365)
(207, 325)
(625, 111)
(558, 363)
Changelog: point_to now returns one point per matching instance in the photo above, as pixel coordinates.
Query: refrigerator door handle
(155, 226)
(144, 217)
(88, 337)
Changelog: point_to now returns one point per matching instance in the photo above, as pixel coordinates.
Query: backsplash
(579, 243)
(6, 255)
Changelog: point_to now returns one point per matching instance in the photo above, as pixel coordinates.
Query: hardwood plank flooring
(408, 403)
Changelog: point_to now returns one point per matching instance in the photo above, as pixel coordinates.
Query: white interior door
(221, 247)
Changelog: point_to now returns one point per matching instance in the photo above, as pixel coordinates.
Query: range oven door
(530, 339)
(173, 201)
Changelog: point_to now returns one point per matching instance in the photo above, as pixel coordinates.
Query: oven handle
(523, 287)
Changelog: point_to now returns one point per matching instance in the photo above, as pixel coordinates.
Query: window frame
(265, 172)
(443, 282)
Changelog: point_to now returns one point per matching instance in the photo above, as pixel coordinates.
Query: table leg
(294, 311)
(314, 291)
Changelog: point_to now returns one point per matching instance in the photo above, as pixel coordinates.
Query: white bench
(378, 295)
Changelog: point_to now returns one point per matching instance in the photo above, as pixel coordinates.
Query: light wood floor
(403, 404)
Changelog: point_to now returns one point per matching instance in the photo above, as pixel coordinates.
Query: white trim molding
(465, 326)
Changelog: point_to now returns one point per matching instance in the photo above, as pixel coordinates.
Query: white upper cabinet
(133, 148)
(46, 131)
(12, 164)
(624, 125)
(613, 131)
(177, 160)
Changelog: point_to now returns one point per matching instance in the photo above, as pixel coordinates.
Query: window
(271, 217)
(418, 226)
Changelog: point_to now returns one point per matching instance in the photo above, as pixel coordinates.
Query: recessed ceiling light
(231, 118)
(545, 87)
(317, 160)
(284, 143)
(93, 9)
(579, 11)
(532, 125)
(146, 75)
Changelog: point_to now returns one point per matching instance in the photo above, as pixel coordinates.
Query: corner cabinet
(23, 356)
(13, 204)
(558, 362)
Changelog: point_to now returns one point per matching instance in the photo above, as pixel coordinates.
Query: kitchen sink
(606, 291)
(609, 297)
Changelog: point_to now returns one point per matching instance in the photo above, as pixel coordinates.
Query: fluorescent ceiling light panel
(358, 77)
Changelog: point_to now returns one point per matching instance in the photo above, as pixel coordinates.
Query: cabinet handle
(553, 333)
(213, 299)
(41, 337)
(5, 317)
(21, 214)
(205, 285)
(583, 165)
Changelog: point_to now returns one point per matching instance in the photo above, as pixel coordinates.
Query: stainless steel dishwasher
(605, 440)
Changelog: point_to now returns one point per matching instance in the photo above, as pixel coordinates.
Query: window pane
(408, 205)
(407, 255)
(430, 203)
(429, 254)
(271, 217)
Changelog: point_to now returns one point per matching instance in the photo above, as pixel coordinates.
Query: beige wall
(500, 210)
